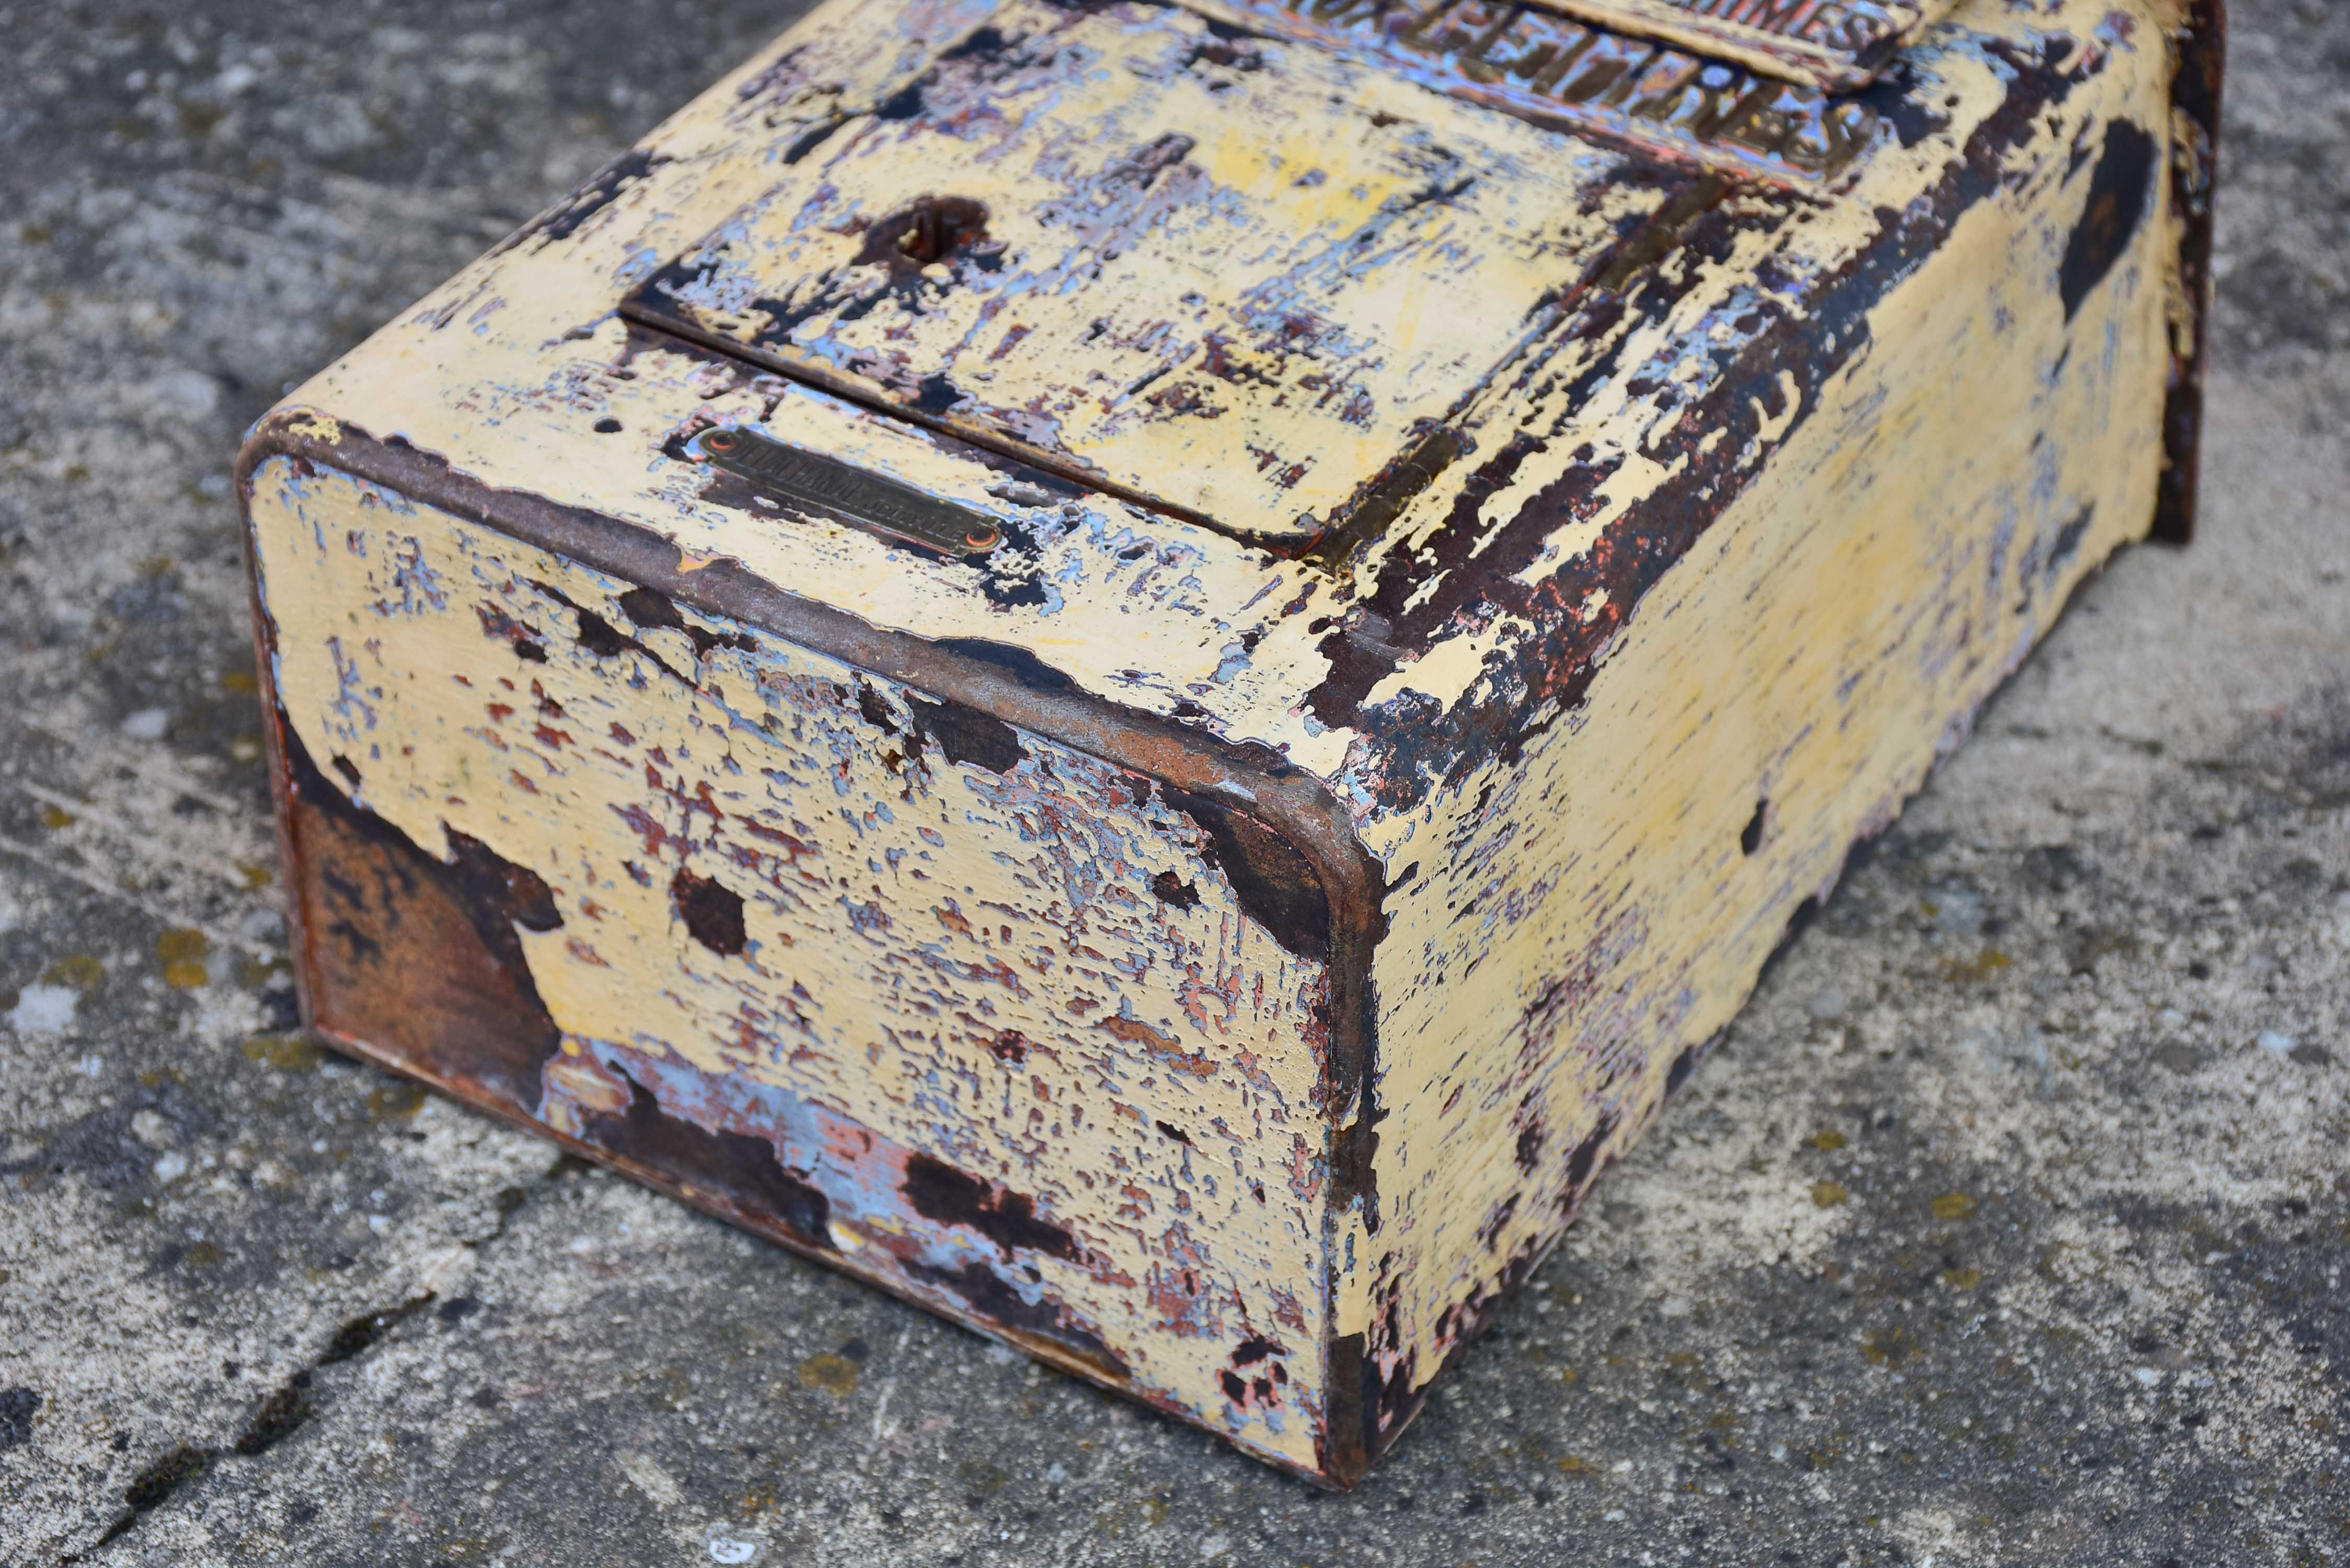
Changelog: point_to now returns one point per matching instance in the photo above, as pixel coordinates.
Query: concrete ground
(2009, 1228)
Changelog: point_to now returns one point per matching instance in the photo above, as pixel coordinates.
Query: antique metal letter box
(1149, 672)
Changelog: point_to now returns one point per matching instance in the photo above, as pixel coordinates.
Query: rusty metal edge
(265, 640)
(2196, 72)
(1054, 1355)
(1287, 800)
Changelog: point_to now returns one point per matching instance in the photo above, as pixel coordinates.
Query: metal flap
(1231, 278)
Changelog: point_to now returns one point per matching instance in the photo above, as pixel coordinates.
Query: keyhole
(932, 229)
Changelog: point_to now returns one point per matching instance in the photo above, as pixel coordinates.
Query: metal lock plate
(810, 482)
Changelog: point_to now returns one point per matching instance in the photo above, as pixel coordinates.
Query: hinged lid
(1228, 277)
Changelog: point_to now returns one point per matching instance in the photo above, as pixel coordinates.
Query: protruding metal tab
(809, 482)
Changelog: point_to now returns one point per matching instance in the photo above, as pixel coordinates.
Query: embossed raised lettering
(1834, 43)
(1536, 63)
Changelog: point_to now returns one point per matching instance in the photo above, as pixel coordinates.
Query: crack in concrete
(287, 1409)
(280, 1414)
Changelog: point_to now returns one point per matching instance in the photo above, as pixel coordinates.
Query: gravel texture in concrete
(2008, 1226)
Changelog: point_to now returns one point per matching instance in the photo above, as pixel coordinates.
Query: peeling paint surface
(1009, 1036)
(1229, 277)
(1419, 871)
(1609, 928)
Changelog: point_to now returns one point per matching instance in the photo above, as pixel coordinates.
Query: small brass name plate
(1543, 67)
(810, 482)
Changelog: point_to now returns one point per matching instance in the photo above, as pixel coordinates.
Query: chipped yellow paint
(1226, 291)
(1639, 921)
(310, 424)
(1578, 900)
(960, 960)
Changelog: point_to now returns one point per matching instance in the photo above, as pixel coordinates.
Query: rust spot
(2118, 197)
(1750, 837)
(1010, 1046)
(2068, 539)
(603, 188)
(1276, 885)
(1172, 889)
(811, 140)
(1134, 1031)
(939, 1192)
(1490, 1232)
(927, 230)
(651, 607)
(740, 1168)
(967, 735)
(601, 637)
(1233, 54)
(1579, 1164)
(415, 956)
(988, 1296)
(712, 912)
(875, 710)
(501, 626)
(493, 882)
(1382, 498)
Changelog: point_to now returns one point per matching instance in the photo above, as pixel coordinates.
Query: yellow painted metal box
(1149, 673)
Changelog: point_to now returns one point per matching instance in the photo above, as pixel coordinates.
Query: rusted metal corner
(2201, 46)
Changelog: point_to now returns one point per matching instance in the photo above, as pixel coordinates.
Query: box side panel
(1585, 916)
(1014, 1031)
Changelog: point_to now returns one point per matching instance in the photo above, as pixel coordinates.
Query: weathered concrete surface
(2009, 1228)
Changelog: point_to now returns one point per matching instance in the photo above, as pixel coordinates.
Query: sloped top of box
(1234, 278)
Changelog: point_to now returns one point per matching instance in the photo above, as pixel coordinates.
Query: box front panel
(1011, 1030)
